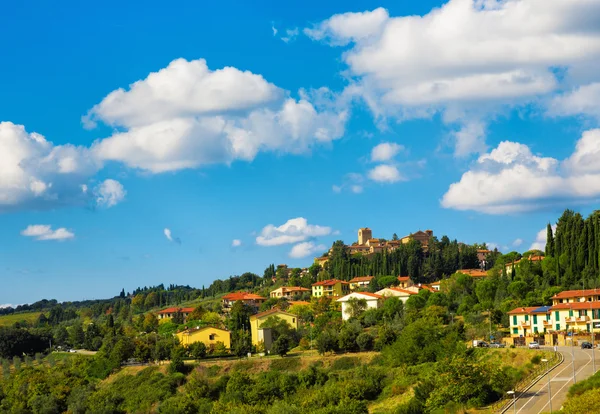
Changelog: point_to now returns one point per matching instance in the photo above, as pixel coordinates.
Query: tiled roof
(271, 311)
(473, 272)
(361, 279)
(173, 310)
(577, 305)
(402, 290)
(403, 278)
(242, 296)
(294, 289)
(201, 328)
(576, 293)
(483, 251)
(329, 282)
(523, 310)
(373, 295)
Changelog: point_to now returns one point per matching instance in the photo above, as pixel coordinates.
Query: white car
(534, 345)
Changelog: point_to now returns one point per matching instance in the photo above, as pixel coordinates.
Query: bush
(345, 363)
(365, 341)
(288, 364)
(281, 346)
(536, 359)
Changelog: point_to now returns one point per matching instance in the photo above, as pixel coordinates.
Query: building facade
(364, 234)
(208, 335)
(372, 301)
(332, 287)
(360, 283)
(288, 292)
(170, 312)
(249, 299)
(257, 320)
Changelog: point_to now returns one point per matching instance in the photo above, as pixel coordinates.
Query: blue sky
(260, 133)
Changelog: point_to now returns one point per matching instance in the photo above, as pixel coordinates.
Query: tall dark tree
(549, 241)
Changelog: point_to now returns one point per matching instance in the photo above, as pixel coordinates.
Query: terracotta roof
(293, 289)
(329, 282)
(361, 279)
(373, 295)
(242, 296)
(577, 305)
(483, 251)
(523, 310)
(173, 310)
(473, 272)
(576, 293)
(190, 330)
(271, 311)
(402, 290)
(403, 278)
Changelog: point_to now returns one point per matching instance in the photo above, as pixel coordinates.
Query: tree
(395, 237)
(241, 343)
(197, 314)
(177, 364)
(197, 350)
(150, 323)
(177, 318)
(356, 307)
(151, 300)
(281, 346)
(365, 341)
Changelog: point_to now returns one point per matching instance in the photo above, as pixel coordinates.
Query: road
(536, 401)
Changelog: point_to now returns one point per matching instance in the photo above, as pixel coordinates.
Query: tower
(364, 234)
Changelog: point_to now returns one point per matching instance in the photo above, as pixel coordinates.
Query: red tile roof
(242, 296)
(410, 292)
(329, 282)
(576, 293)
(403, 278)
(173, 310)
(373, 295)
(523, 311)
(361, 279)
(294, 289)
(577, 305)
(271, 311)
(473, 272)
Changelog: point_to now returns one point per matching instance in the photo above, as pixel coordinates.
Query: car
(482, 344)
(534, 345)
(497, 345)
(586, 345)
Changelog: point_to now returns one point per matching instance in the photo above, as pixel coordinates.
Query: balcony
(578, 319)
(525, 324)
(547, 323)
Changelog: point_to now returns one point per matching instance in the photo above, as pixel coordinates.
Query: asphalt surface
(536, 400)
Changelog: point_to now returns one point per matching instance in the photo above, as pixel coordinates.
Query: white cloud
(236, 243)
(35, 174)
(352, 181)
(511, 178)
(517, 242)
(109, 193)
(385, 173)
(290, 35)
(305, 249)
(292, 231)
(584, 100)
(45, 232)
(540, 239)
(169, 235)
(385, 151)
(187, 116)
(467, 59)
(6, 305)
(274, 30)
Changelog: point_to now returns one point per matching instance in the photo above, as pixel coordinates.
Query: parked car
(534, 345)
(482, 344)
(497, 345)
(586, 345)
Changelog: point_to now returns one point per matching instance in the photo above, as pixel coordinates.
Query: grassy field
(9, 320)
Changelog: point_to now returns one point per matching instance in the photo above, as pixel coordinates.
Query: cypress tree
(549, 241)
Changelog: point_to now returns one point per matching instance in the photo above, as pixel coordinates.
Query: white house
(402, 294)
(372, 300)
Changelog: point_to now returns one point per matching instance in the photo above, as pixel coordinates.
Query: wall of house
(204, 335)
(255, 323)
(371, 304)
(534, 324)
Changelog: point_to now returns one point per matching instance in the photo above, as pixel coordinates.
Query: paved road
(536, 401)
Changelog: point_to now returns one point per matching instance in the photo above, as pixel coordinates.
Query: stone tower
(364, 234)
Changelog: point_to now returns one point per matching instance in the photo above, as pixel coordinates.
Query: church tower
(364, 234)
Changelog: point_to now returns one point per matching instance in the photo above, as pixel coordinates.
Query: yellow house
(361, 282)
(208, 334)
(528, 321)
(332, 287)
(257, 320)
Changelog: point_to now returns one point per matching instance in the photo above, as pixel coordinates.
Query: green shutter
(516, 331)
(535, 319)
(558, 326)
(557, 316)
(526, 318)
(514, 319)
(570, 312)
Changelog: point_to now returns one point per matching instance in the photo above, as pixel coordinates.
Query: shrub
(345, 363)
(288, 364)
(281, 346)
(364, 341)
(536, 359)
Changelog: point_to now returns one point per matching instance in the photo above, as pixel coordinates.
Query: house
(577, 310)
(474, 273)
(360, 283)
(332, 287)
(532, 258)
(530, 320)
(170, 312)
(405, 282)
(288, 291)
(209, 335)
(249, 299)
(256, 321)
(402, 294)
(437, 286)
(321, 260)
(420, 236)
(371, 299)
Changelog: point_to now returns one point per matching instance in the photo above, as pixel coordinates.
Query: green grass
(10, 320)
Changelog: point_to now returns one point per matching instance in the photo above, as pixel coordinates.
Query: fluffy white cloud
(511, 178)
(187, 116)
(292, 231)
(290, 35)
(540, 239)
(517, 242)
(584, 100)
(305, 249)
(109, 193)
(385, 151)
(36, 174)
(385, 173)
(45, 232)
(236, 243)
(468, 58)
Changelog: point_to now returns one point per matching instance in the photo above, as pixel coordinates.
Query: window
(526, 318)
(557, 316)
(582, 312)
(516, 331)
(293, 320)
(558, 326)
(535, 330)
(514, 319)
(570, 313)
(547, 316)
(535, 319)
(587, 327)
(212, 337)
